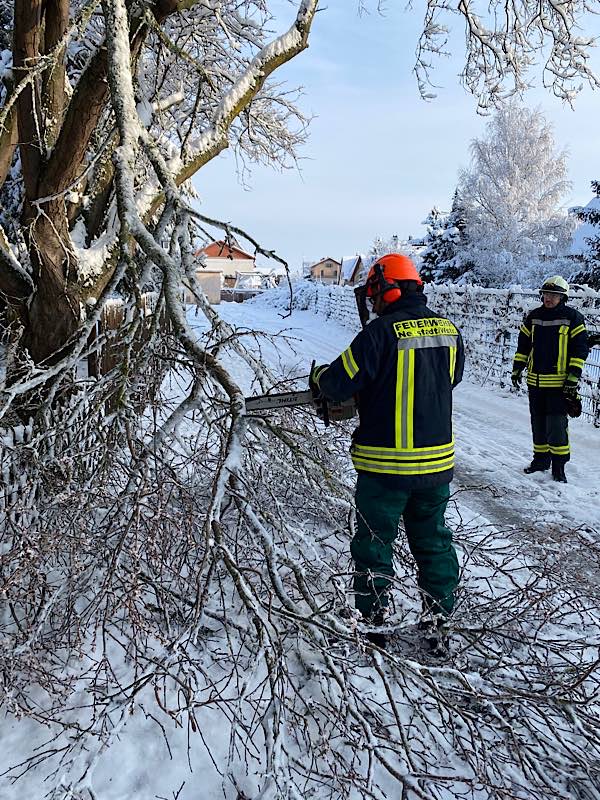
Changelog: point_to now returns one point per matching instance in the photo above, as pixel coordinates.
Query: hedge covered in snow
(489, 320)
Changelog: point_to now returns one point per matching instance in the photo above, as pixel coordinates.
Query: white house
(228, 259)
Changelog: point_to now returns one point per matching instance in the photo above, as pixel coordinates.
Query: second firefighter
(553, 346)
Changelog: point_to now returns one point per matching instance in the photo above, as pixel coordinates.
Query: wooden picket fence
(106, 343)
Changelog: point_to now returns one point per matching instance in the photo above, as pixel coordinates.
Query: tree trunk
(54, 313)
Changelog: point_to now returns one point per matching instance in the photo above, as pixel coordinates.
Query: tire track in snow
(559, 524)
(493, 443)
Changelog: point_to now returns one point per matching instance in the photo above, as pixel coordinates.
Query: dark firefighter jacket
(553, 345)
(402, 367)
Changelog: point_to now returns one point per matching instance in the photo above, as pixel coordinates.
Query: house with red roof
(226, 258)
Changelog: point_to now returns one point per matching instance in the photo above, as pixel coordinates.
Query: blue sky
(378, 156)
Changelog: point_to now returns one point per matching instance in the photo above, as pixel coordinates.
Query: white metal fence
(489, 320)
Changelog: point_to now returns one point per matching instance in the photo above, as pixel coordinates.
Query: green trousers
(379, 509)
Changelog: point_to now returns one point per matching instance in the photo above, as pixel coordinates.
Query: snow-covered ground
(493, 444)
(492, 430)
(517, 535)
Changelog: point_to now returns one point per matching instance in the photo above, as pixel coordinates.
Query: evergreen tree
(590, 271)
(444, 261)
(436, 248)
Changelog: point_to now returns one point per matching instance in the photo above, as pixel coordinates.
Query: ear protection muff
(390, 292)
(392, 295)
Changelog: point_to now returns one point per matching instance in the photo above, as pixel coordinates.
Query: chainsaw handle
(319, 399)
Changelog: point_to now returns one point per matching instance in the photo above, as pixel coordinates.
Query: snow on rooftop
(348, 266)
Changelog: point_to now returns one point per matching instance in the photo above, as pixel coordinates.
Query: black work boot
(558, 473)
(435, 636)
(537, 466)
(376, 638)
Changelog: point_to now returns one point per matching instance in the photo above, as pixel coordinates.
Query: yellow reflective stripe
(525, 330)
(403, 469)
(405, 398)
(392, 452)
(577, 330)
(410, 400)
(403, 457)
(545, 379)
(399, 392)
(387, 460)
(452, 351)
(352, 359)
(563, 450)
(541, 448)
(319, 372)
(349, 363)
(546, 384)
(563, 334)
(558, 381)
(576, 362)
(520, 357)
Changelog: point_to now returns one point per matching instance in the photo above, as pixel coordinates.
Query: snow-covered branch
(503, 44)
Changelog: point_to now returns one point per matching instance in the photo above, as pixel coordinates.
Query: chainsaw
(326, 409)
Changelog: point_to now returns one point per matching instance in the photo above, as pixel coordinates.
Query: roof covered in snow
(349, 264)
(324, 261)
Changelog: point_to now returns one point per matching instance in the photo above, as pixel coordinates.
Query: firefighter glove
(570, 387)
(572, 398)
(313, 379)
(573, 405)
(516, 378)
(319, 400)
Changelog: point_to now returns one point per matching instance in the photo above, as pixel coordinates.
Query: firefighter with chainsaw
(553, 345)
(402, 368)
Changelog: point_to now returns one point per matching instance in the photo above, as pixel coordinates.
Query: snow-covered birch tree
(512, 195)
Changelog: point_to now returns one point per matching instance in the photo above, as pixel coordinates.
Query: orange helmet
(385, 273)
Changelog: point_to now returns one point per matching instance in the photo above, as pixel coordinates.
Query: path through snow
(493, 444)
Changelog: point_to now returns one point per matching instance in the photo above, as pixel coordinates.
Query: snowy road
(517, 699)
(494, 444)
(491, 428)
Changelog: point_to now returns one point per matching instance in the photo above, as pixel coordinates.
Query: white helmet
(556, 284)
